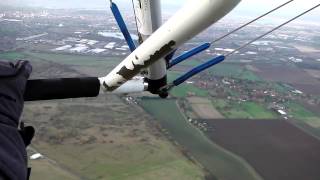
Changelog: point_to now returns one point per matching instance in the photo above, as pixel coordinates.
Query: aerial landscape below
(256, 116)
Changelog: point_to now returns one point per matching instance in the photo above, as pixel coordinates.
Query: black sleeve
(13, 155)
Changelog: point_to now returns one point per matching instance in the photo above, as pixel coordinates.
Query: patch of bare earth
(204, 108)
(275, 148)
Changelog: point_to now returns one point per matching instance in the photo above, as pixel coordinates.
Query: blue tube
(123, 27)
(188, 54)
(170, 56)
(198, 69)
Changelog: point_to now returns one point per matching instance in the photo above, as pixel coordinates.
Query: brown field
(204, 108)
(276, 149)
(307, 49)
(308, 88)
(284, 74)
(313, 73)
(298, 78)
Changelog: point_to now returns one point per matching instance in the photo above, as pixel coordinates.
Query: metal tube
(194, 18)
(149, 19)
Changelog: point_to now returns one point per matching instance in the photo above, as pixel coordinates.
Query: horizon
(246, 8)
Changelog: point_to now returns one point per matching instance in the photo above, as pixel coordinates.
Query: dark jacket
(13, 156)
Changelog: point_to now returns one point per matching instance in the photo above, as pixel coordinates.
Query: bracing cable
(252, 21)
(272, 30)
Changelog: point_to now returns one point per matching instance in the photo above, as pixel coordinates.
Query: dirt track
(276, 149)
(204, 108)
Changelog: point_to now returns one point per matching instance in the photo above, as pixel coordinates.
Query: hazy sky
(253, 8)
(249, 8)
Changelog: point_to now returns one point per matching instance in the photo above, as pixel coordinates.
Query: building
(36, 156)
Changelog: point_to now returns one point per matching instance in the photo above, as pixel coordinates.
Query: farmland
(271, 146)
(185, 89)
(130, 161)
(204, 108)
(99, 138)
(90, 65)
(233, 70)
(91, 139)
(44, 167)
(216, 160)
(249, 110)
(11, 55)
(144, 160)
(297, 77)
(115, 137)
(79, 60)
(301, 113)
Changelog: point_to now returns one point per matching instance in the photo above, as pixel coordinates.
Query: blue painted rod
(188, 54)
(198, 69)
(123, 27)
(170, 56)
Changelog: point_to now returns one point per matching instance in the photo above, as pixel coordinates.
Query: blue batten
(188, 54)
(170, 56)
(198, 69)
(123, 27)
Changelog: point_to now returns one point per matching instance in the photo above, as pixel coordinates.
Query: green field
(281, 88)
(248, 75)
(91, 65)
(76, 60)
(298, 112)
(103, 138)
(218, 161)
(65, 59)
(257, 111)
(12, 56)
(233, 71)
(246, 110)
(191, 63)
(135, 161)
(44, 168)
(185, 89)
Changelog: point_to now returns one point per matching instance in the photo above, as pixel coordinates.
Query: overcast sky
(254, 8)
(248, 8)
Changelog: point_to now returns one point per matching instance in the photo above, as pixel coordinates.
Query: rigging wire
(271, 31)
(252, 21)
(205, 46)
(135, 16)
(219, 59)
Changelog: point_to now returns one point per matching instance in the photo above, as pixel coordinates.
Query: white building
(92, 42)
(97, 51)
(296, 60)
(297, 92)
(80, 48)
(110, 45)
(36, 156)
(281, 112)
(251, 53)
(62, 48)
